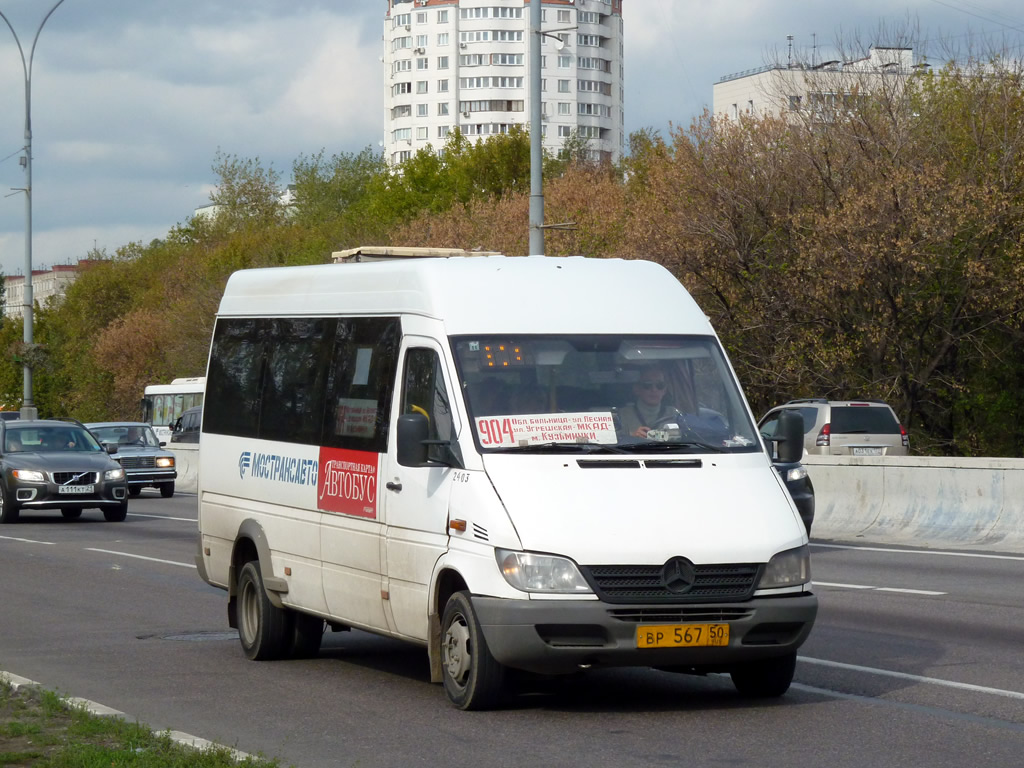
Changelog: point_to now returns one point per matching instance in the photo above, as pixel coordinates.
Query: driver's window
(424, 391)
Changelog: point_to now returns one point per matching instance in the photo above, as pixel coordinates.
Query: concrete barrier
(186, 459)
(926, 501)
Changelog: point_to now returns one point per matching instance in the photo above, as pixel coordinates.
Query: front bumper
(557, 637)
(151, 476)
(106, 493)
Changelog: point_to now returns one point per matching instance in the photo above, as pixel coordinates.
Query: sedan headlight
(29, 475)
(787, 569)
(114, 474)
(530, 572)
(164, 462)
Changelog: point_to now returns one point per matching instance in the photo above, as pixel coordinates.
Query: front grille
(138, 462)
(75, 478)
(644, 583)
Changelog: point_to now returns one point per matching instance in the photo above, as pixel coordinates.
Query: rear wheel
(765, 679)
(71, 513)
(473, 679)
(167, 490)
(264, 630)
(117, 514)
(8, 508)
(134, 490)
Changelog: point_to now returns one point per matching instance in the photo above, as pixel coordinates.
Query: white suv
(844, 427)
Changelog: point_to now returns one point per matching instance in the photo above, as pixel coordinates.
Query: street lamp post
(28, 409)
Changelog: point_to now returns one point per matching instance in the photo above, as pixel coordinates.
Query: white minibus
(518, 463)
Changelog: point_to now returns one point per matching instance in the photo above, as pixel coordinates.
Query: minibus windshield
(622, 394)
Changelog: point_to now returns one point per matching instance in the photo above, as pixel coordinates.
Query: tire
(71, 513)
(117, 514)
(134, 490)
(9, 509)
(765, 679)
(167, 490)
(307, 632)
(265, 631)
(473, 679)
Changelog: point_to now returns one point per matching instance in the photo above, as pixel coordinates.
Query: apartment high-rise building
(466, 64)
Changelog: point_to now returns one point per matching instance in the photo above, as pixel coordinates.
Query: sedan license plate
(867, 451)
(76, 489)
(681, 635)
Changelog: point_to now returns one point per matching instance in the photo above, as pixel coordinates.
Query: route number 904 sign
(529, 429)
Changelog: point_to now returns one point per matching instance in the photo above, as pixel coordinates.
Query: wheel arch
(447, 582)
(251, 544)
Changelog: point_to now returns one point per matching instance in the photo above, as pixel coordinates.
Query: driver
(648, 411)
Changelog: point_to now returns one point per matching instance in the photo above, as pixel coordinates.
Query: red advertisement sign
(347, 482)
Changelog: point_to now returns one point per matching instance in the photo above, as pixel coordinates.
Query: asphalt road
(916, 660)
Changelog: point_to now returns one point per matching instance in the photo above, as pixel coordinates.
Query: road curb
(19, 683)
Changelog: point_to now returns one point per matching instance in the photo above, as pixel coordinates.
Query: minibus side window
(424, 392)
(361, 383)
(235, 377)
(294, 379)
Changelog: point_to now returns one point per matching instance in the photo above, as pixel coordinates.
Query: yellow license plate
(681, 635)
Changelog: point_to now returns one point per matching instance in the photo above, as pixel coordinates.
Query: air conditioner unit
(462, 45)
(465, 114)
(421, 50)
(408, 27)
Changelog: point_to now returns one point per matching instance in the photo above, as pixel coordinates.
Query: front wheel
(473, 679)
(167, 490)
(765, 679)
(71, 513)
(263, 629)
(116, 514)
(134, 490)
(8, 507)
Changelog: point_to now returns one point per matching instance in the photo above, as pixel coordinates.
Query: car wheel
(263, 629)
(307, 632)
(167, 490)
(117, 514)
(134, 490)
(8, 508)
(765, 679)
(473, 679)
(71, 513)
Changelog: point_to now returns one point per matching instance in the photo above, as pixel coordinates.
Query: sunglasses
(658, 385)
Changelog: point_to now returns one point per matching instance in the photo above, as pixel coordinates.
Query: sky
(131, 100)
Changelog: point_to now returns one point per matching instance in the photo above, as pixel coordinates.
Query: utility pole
(536, 155)
(28, 409)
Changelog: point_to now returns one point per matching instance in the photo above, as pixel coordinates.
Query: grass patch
(39, 729)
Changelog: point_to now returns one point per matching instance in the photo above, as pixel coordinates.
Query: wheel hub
(456, 650)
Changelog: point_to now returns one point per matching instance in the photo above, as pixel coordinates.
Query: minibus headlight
(530, 572)
(29, 475)
(113, 474)
(787, 569)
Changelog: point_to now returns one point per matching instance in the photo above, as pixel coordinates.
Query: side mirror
(790, 437)
(110, 447)
(413, 434)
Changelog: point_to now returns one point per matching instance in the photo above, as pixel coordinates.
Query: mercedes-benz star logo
(678, 575)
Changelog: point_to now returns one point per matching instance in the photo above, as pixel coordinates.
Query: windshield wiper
(675, 446)
(557, 447)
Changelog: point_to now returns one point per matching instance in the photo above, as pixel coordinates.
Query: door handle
(393, 486)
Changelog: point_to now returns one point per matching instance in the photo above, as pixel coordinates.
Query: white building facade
(466, 64)
(48, 286)
(801, 88)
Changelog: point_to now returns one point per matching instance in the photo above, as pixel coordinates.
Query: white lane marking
(915, 678)
(878, 589)
(165, 517)
(27, 541)
(140, 557)
(922, 552)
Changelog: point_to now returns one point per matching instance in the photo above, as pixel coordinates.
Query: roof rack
(388, 253)
(808, 400)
